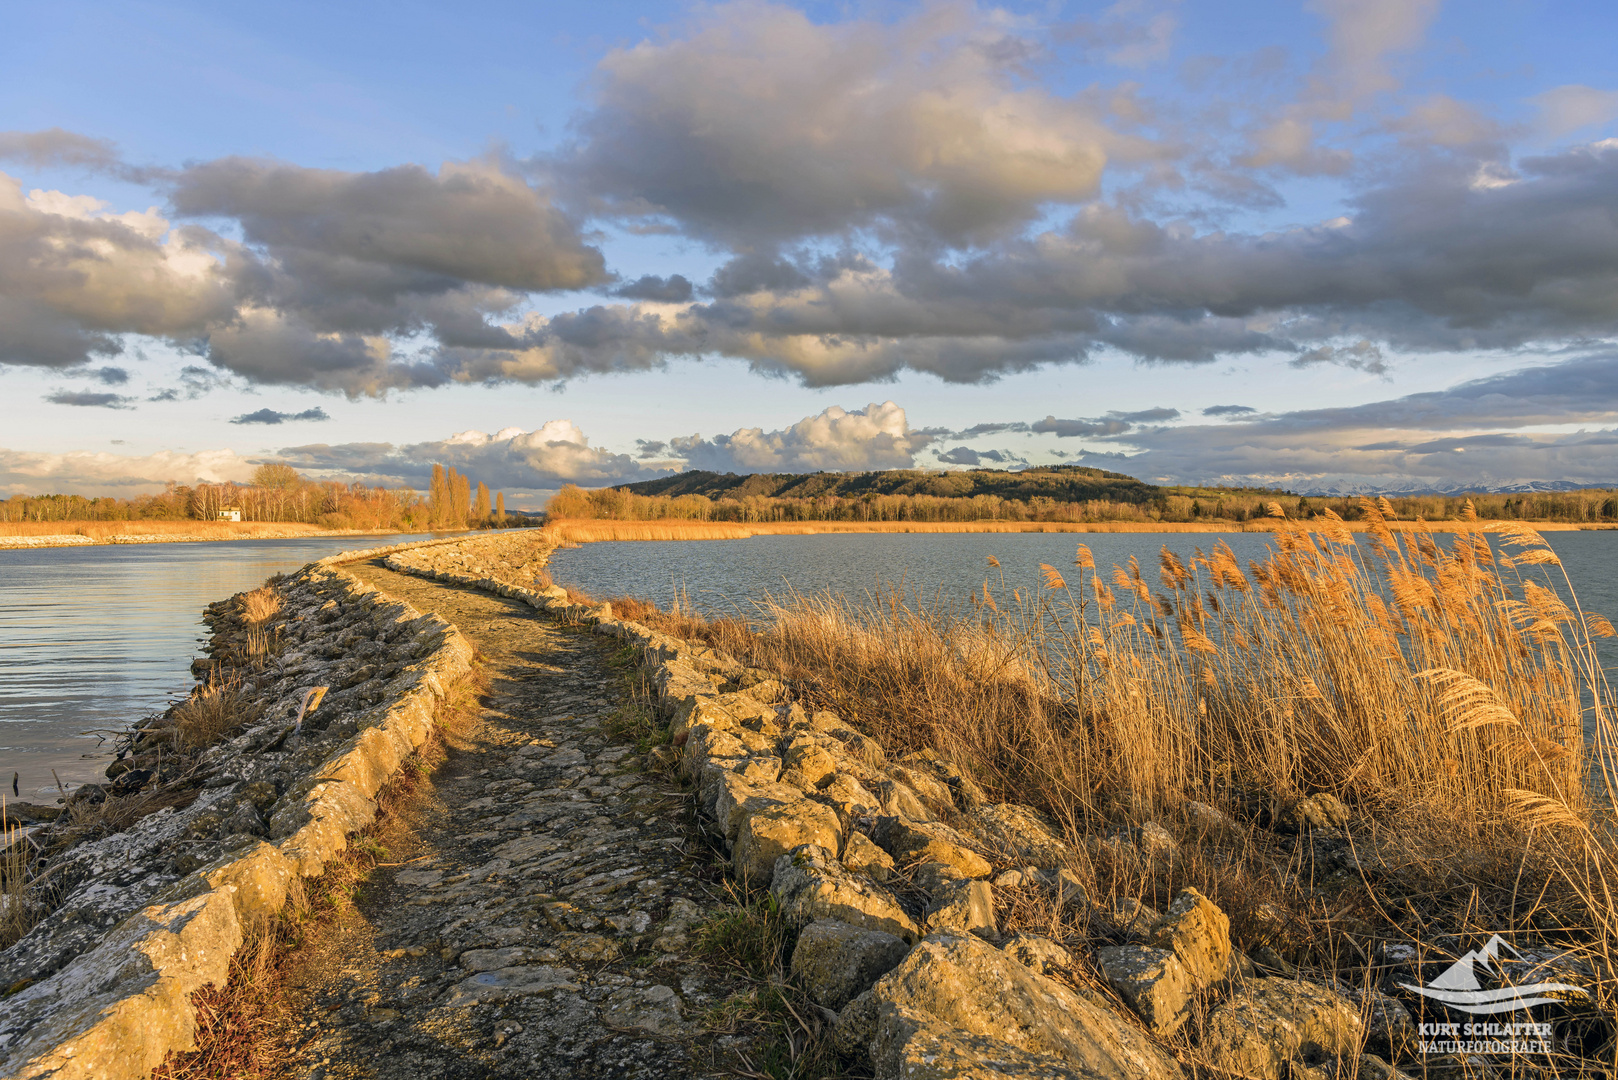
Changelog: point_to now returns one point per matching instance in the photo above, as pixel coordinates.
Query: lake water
(727, 576)
(95, 637)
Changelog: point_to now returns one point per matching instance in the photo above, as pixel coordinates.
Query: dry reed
(1447, 693)
(212, 530)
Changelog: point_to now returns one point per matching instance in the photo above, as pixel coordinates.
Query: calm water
(95, 637)
(727, 576)
(724, 576)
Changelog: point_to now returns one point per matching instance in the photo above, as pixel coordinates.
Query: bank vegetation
(1450, 695)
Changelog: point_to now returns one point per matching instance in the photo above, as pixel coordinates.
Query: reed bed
(1448, 694)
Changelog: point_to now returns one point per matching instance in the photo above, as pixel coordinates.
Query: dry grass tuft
(212, 712)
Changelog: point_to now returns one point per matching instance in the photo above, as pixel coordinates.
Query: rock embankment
(138, 919)
(892, 868)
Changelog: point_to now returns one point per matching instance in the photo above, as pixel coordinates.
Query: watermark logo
(1457, 987)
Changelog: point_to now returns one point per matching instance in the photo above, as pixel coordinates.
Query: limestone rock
(932, 877)
(1199, 815)
(911, 842)
(767, 834)
(973, 986)
(963, 790)
(855, 1027)
(1198, 933)
(836, 962)
(1388, 1024)
(963, 907)
(1020, 834)
(849, 796)
(1133, 917)
(1070, 891)
(1151, 981)
(862, 856)
(807, 761)
(1270, 1023)
(1038, 953)
(899, 801)
(811, 884)
(912, 1045)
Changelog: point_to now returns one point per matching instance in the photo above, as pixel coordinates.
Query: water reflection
(94, 637)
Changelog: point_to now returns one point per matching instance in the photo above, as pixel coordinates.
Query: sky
(1337, 245)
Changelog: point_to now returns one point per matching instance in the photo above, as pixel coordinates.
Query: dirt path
(540, 925)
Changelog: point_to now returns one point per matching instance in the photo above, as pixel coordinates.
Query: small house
(230, 513)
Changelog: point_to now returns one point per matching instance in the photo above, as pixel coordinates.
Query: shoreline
(607, 531)
(256, 531)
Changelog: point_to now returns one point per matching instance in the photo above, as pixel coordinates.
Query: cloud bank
(881, 196)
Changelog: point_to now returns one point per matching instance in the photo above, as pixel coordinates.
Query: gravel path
(540, 924)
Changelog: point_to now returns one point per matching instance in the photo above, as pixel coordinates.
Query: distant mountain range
(1348, 487)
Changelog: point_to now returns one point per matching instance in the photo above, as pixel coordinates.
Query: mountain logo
(1457, 986)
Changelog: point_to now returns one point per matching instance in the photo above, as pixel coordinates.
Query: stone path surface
(540, 925)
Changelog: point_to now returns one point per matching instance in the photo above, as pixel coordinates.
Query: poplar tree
(480, 509)
(437, 498)
(460, 499)
(500, 509)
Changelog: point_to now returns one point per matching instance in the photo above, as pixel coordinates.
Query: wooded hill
(1064, 483)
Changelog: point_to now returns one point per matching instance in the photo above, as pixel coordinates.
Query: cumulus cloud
(835, 440)
(86, 473)
(271, 416)
(553, 454)
(758, 126)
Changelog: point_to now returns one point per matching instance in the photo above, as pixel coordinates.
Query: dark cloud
(270, 416)
(55, 148)
(107, 376)
(1147, 416)
(962, 455)
(1228, 410)
(1369, 447)
(1073, 429)
(89, 399)
(646, 449)
(674, 289)
(977, 430)
(1362, 356)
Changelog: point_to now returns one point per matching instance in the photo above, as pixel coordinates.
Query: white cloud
(83, 472)
(835, 440)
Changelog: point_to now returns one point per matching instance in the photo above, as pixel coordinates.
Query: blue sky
(1036, 230)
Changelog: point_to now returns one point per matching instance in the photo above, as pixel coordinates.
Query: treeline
(278, 493)
(1161, 505)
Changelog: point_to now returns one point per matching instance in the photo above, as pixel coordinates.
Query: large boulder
(810, 884)
(971, 985)
(835, 962)
(1151, 981)
(772, 831)
(912, 842)
(912, 1045)
(1270, 1023)
(1197, 932)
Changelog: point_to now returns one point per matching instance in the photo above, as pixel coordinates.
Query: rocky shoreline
(140, 918)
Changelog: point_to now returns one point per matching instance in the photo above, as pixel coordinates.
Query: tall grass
(1449, 694)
